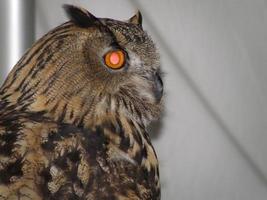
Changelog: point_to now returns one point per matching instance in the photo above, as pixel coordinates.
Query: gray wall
(212, 140)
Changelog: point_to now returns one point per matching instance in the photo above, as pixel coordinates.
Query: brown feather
(70, 128)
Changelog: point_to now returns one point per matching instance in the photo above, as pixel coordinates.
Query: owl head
(90, 68)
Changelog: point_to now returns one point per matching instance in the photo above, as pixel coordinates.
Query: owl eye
(115, 59)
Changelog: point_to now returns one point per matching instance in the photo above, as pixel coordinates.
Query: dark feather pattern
(58, 160)
(136, 19)
(72, 129)
(80, 16)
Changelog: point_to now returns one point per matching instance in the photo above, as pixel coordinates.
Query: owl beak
(158, 87)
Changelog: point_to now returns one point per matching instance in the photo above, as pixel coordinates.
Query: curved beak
(158, 87)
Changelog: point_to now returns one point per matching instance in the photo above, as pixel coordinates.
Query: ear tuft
(136, 19)
(80, 16)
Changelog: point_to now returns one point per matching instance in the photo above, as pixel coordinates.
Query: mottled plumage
(72, 128)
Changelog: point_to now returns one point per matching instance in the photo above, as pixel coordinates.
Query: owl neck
(125, 132)
(92, 110)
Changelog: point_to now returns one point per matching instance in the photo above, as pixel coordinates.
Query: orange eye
(115, 59)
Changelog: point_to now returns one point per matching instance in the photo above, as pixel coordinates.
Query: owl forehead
(128, 32)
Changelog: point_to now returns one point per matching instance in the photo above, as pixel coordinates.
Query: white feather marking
(118, 155)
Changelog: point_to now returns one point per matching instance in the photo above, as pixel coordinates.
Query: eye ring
(115, 59)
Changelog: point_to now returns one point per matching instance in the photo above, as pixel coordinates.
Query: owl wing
(40, 159)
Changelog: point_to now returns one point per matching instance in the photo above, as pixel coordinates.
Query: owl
(74, 113)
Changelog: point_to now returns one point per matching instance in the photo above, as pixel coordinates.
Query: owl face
(123, 63)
